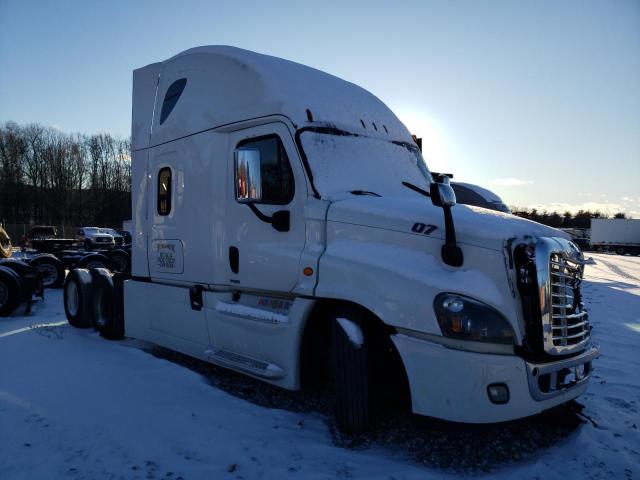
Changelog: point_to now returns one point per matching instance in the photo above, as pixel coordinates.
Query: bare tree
(47, 176)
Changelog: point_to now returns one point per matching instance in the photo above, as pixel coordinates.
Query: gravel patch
(436, 444)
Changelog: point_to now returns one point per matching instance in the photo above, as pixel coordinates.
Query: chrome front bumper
(548, 380)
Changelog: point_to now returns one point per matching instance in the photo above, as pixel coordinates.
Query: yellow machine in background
(5, 244)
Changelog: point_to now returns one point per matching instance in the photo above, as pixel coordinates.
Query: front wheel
(351, 372)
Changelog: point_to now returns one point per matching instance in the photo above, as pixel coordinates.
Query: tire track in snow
(616, 269)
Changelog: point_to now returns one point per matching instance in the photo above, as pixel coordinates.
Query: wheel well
(388, 370)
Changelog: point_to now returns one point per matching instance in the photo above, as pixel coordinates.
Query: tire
(10, 291)
(634, 251)
(94, 260)
(120, 261)
(103, 305)
(78, 298)
(26, 275)
(351, 373)
(52, 269)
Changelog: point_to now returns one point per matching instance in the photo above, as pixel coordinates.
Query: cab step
(246, 364)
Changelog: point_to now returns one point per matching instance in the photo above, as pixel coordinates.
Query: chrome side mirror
(442, 194)
(248, 176)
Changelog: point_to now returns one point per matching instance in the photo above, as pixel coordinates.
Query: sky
(537, 101)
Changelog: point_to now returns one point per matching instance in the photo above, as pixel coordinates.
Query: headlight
(468, 319)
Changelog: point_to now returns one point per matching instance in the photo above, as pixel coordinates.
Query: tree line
(55, 178)
(580, 219)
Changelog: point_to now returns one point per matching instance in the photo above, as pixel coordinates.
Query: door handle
(234, 259)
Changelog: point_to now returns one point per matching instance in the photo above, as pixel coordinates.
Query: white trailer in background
(285, 225)
(619, 235)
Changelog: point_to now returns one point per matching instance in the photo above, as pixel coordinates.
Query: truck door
(266, 232)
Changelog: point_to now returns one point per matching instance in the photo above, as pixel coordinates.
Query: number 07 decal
(423, 228)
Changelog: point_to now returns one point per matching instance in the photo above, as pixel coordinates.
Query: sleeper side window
(171, 98)
(164, 191)
(275, 169)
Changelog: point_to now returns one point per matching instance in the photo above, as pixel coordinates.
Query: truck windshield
(341, 162)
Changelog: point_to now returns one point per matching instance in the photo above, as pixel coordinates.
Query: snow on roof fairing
(228, 84)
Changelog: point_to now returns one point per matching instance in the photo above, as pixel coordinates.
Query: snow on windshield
(344, 163)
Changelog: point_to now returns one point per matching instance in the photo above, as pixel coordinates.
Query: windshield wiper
(411, 186)
(364, 192)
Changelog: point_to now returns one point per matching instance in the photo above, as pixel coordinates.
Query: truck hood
(474, 225)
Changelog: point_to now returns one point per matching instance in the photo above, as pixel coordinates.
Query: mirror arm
(451, 252)
(279, 220)
(259, 214)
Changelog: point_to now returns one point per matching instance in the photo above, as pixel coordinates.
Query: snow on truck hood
(474, 225)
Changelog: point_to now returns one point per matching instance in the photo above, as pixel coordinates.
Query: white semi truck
(286, 226)
(619, 235)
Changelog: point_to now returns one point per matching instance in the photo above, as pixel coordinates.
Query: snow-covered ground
(73, 405)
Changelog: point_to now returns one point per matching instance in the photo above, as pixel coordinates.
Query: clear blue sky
(538, 101)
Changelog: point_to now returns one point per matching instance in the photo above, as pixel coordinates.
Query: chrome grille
(565, 321)
(569, 319)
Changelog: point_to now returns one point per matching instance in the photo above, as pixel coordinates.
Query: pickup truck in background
(286, 226)
(94, 237)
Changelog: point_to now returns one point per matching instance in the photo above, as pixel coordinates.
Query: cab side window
(164, 191)
(275, 169)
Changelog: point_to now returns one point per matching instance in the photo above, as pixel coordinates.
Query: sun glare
(434, 140)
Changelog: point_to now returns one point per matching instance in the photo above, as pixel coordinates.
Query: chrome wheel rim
(50, 274)
(71, 294)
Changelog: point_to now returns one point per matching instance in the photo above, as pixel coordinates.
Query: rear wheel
(77, 298)
(105, 320)
(10, 291)
(52, 270)
(620, 250)
(351, 372)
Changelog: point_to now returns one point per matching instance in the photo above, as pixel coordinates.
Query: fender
(398, 283)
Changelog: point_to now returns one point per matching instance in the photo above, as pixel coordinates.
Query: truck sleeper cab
(281, 225)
